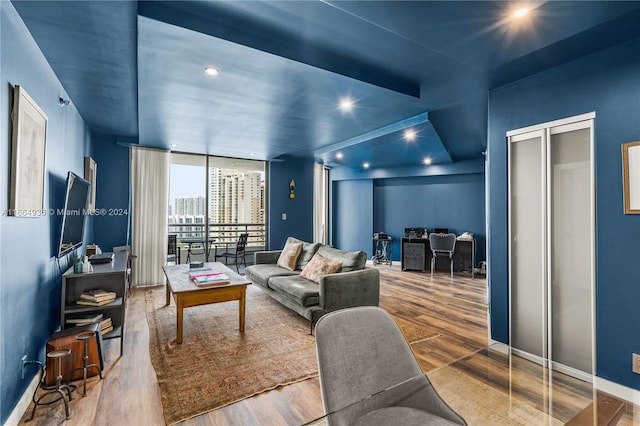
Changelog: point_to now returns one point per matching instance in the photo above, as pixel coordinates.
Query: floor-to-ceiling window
(213, 200)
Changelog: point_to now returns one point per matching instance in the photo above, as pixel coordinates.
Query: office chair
(442, 244)
(369, 376)
(237, 253)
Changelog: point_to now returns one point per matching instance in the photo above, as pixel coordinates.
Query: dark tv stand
(110, 276)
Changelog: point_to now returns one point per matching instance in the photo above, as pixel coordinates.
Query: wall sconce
(63, 102)
(292, 188)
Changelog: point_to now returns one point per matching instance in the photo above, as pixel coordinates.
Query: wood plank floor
(484, 386)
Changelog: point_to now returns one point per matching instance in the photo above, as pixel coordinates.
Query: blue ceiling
(136, 70)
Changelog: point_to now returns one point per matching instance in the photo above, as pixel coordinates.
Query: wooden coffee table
(186, 294)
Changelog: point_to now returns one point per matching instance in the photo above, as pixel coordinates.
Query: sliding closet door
(527, 213)
(551, 244)
(571, 230)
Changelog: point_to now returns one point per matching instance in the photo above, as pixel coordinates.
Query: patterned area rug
(216, 365)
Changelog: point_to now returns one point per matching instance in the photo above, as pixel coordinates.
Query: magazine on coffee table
(205, 277)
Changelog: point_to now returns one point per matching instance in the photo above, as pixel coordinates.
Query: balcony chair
(173, 251)
(237, 251)
(369, 376)
(442, 244)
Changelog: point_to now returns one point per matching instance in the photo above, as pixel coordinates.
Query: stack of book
(84, 319)
(97, 297)
(207, 277)
(106, 325)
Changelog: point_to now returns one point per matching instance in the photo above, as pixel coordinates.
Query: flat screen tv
(74, 213)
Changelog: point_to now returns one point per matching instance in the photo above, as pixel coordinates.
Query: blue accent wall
(29, 273)
(455, 202)
(112, 189)
(299, 210)
(352, 204)
(450, 195)
(608, 83)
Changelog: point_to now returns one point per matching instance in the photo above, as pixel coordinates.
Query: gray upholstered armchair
(369, 376)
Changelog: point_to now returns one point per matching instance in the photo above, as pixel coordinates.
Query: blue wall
(112, 188)
(389, 200)
(352, 207)
(29, 274)
(455, 202)
(299, 210)
(608, 83)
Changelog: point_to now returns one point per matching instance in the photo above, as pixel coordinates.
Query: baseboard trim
(529, 357)
(612, 388)
(617, 390)
(499, 347)
(23, 403)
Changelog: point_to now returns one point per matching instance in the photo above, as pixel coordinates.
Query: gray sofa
(354, 285)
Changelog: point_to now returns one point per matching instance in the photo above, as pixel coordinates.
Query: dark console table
(416, 256)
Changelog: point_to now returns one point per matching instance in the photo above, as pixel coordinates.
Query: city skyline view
(186, 181)
(189, 180)
(235, 195)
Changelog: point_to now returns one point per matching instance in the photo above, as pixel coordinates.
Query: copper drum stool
(57, 355)
(85, 337)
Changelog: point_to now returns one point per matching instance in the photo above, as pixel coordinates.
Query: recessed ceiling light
(427, 160)
(339, 156)
(365, 165)
(410, 135)
(519, 13)
(211, 71)
(346, 104)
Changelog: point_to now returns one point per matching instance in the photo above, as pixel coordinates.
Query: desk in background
(416, 256)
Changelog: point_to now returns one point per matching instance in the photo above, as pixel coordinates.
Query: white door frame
(544, 131)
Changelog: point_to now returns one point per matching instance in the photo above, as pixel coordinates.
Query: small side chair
(130, 264)
(443, 245)
(238, 252)
(173, 251)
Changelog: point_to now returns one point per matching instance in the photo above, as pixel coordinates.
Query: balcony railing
(220, 234)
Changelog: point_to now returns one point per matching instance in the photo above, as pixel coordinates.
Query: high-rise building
(215, 208)
(185, 231)
(235, 196)
(262, 217)
(193, 205)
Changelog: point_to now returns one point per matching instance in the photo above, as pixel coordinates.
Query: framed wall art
(28, 147)
(90, 170)
(631, 177)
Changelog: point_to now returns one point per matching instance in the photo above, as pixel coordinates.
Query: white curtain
(320, 203)
(149, 202)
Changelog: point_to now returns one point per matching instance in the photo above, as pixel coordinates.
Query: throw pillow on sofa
(308, 250)
(351, 260)
(289, 256)
(319, 266)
